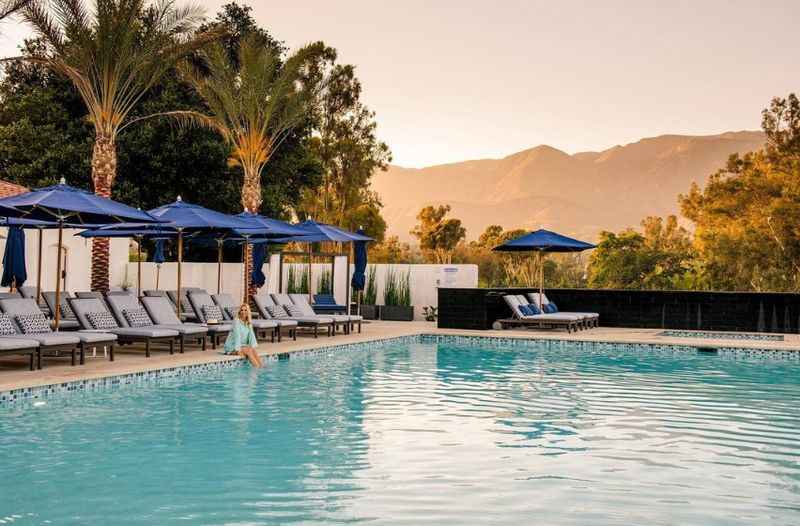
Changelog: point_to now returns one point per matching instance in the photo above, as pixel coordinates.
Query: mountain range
(579, 194)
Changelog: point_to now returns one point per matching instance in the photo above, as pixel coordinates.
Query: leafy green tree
(351, 153)
(657, 258)
(438, 235)
(748, 215)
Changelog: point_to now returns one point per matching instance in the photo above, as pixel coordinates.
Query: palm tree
(112, 54)
(9, 7)
(255, 99)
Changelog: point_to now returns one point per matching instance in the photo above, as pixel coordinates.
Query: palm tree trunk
(104, 169)
(251, 201)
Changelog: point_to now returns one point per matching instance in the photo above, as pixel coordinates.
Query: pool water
(420, 433)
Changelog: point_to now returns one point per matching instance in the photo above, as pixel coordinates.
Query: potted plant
(369, 308)
(430, 313)
(397, 298)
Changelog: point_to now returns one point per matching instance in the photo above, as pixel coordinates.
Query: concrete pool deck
(14, 373)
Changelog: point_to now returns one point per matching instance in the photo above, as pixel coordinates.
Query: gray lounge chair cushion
(155, 293)
(55, 338)
(6, 325)
(95, 336)
(145, 332)
(534, 299)
(28, 292)
(187, 329)
(68, 324)
(185, 304)
(198, 300)
(213, 312)
(92, 294)
(50, 299)
(160, 310)
(306, 310)
(16, 344)
(33, 323)
(277, 311)
(294, 311)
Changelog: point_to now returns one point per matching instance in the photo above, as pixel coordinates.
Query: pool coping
(32, 393)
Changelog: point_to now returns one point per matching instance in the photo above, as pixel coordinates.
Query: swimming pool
(427, 431)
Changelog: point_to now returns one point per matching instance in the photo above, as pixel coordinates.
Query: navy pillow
(526, 310)
(534, 309)
(550, 308)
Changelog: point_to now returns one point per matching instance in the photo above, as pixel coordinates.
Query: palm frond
(9, 7)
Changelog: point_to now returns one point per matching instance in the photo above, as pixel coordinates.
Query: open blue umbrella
(14, 272)
(70, 206)
(542, 241)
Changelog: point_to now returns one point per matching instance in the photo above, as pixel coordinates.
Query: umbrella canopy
(14, 272)
(72, 206)
(267, 227)
(314, 232)
(544, 241)
(360, 263)
(187, 216)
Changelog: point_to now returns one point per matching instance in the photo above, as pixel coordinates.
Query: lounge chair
(161, 308)
(28, 292)
(348, 320)
(53, 343)
(85, 308)
(67, 319)
(540, 321)
(199, 302)
(10, 295)
(187, 312)
(12, 343)
(591, 319)
(326, 304)
(260, 326)
(265, 302)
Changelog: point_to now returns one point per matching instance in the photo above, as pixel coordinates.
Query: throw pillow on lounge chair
(33, 323)
(6, 325)
(102, 320)
(277, 311)
(230, 312)
(294, 311)
(526, 310)
(137, 317)
(550, 308)
(212, 312)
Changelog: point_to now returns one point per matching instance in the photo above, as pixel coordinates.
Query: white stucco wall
(78, 259)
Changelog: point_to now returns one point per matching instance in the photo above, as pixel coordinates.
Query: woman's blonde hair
(244, 314)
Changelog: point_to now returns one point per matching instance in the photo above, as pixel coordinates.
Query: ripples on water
(421, 434)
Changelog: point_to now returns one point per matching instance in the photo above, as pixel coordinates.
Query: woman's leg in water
(251, 355)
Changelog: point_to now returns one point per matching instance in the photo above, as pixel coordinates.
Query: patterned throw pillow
(277, 311)
(230, 312)
(6, 325)
(186, 306)
(66, 310)
(293, 310)
(33, 323)
(137, 317)
(526, 310)
(212, 312)
(102, 320)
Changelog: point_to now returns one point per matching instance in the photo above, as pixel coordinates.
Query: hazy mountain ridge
(579, 194)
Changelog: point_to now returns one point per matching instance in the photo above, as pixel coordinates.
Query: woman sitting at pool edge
(242, 340)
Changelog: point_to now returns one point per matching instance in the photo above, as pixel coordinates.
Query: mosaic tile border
(29, 394)
(721, 335)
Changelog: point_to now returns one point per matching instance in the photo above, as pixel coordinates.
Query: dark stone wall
(722, 311)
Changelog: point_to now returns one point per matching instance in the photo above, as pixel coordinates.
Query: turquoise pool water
(423, 433)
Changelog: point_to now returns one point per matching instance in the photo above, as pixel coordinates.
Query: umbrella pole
(219, 266)
(541, 280)
(158, 274)
(347, 277)
(139, 267)
(180, 264)
(57, 306)
(310, 249)
(244, 270)
(39, 271)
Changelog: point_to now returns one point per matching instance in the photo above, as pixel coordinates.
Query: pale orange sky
(456, 80)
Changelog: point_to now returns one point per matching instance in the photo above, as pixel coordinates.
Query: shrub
(371, 288)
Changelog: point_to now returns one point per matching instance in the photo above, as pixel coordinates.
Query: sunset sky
(457, 80)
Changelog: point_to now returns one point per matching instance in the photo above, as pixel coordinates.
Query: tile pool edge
(26, 394)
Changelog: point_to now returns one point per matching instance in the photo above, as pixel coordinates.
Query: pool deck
(14, 373)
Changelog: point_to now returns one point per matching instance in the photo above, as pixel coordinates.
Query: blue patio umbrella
(158, 257)
(360, 263)
(542, 241)
(70, 206)
(314, 232)
(14, 272)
